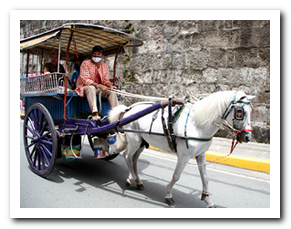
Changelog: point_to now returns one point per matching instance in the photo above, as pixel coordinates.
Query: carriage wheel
(40, 140)
(108, 158)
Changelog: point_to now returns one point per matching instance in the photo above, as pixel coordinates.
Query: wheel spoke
(30, 130)
(46, 135)
(32, 119)
(30, 137)
(32, 152)
(43, 127)
(35, 158)
(46, 150)
(31, 144)
(44, 156)
(39, 161)
(46, 142)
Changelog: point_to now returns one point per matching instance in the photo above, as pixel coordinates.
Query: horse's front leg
(139, 183)
(180, 166)
(133, 147)
(131, 174)
(201, 161)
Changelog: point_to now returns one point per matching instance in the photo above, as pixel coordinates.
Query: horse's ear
(242, 96)
(250, 97)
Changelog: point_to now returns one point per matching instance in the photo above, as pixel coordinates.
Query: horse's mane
(209, 108)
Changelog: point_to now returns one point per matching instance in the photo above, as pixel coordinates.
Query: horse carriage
(52, 130)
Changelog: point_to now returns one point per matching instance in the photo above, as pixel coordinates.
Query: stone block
(260, 113)
(261, 134)
(264, 55)
(197, 59)
(188, 27)
(144, 77)
(218, 58)
(170, 29)
(249, 37)
(209, 25)
(178, 59)
(247, 57)
(228, 24)
(234, 40)
(217, 39)
(210, 75)
(193, 41)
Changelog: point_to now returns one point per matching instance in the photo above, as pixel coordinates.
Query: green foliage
(129, 75)
(128, 28)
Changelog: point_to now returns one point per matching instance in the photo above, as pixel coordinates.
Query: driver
(93, 79)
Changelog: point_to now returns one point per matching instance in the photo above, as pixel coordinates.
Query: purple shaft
(110, 127)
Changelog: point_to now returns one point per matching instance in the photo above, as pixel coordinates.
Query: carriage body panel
(55, 102)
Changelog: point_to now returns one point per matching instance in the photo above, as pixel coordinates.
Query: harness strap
(170, 124)
(185, 127)
(228, 109)
(166, 131)
(162, 134)
(177, 112)
(155, 115)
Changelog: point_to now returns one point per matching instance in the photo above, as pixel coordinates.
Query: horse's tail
(116, 112)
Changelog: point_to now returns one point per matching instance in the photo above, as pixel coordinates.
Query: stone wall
(200, 57)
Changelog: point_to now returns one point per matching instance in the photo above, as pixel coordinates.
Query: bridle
(239, 116)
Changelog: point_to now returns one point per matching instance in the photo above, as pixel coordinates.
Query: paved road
(90, 183)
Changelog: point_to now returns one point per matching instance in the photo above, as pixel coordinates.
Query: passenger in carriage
(52, 66)
(77, 63)
(93, 79)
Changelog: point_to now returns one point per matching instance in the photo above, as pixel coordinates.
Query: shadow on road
(111, 175)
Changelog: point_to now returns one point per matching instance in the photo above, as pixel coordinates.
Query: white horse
(193, 129)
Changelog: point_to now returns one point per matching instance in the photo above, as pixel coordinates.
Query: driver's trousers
(91, 92)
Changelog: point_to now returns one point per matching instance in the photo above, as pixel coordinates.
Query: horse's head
(240, 114)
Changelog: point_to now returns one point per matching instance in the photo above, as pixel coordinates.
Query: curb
(255, 164)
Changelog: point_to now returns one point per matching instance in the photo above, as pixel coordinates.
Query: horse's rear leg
(201, 161)
(180, 166)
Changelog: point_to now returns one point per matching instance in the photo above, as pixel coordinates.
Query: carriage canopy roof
(86, 37)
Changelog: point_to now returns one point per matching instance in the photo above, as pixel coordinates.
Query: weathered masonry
(200, 57)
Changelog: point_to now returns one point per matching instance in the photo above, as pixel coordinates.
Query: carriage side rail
(42, 84)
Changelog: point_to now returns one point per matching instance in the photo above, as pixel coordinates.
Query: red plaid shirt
(88, 73)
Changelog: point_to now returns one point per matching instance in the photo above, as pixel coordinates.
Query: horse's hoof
(212, 206)
(140, 187)
(204, 195)
(170, 201)
(127, 183)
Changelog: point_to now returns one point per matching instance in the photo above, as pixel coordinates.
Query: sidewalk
(251, 155)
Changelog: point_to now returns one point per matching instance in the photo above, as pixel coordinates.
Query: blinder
(239, 113)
